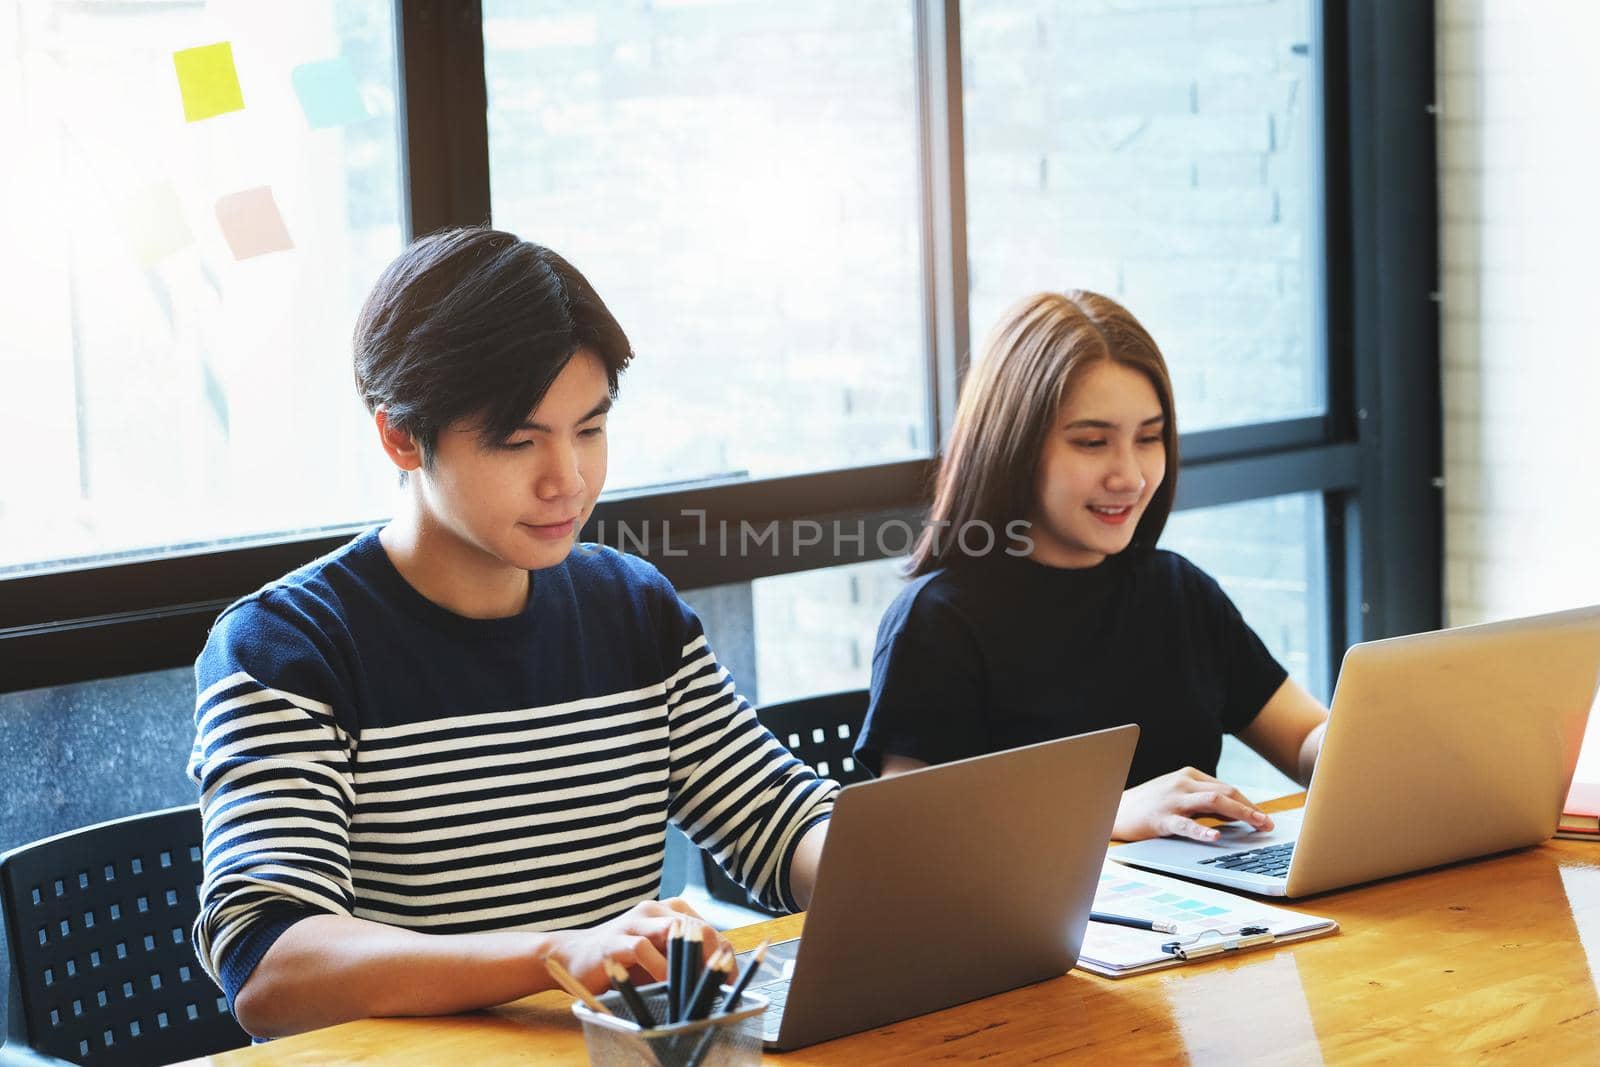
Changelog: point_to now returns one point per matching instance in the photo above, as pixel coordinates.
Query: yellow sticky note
(208, 81)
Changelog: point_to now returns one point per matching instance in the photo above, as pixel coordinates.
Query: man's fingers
(647, 956)
(710, 939)
(659, 928)
(711, 942)
(682, 907)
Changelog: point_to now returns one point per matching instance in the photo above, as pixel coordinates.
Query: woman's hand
(1167, 807)
(637, 939)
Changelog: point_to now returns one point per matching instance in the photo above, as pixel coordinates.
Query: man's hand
(637, 939)
(1167, 807)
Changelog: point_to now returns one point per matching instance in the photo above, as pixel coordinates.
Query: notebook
(1580, 816)
(1208, 920)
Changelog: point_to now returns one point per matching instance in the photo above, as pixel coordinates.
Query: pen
(1159, 926)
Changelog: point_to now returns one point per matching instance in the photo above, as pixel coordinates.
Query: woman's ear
(398, 444)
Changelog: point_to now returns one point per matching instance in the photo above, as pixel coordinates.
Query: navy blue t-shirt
(1000, 651)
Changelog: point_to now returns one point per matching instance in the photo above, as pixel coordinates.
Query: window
(816, 631)
(1159, 154)
(1268, 555)
(180, 370)
(739, 183)
(796, 210)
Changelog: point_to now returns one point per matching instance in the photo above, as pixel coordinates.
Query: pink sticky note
(251, 223)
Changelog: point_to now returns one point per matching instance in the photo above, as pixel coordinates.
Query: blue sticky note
(1214, 911)
(1190, 905)
(328, 93)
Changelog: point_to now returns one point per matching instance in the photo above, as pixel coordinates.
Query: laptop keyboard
(1271, 861)
(775, 989)
(777, 995)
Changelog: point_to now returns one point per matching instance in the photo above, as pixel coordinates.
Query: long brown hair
(1033, 357)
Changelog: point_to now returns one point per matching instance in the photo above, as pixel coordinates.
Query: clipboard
(1210, 923)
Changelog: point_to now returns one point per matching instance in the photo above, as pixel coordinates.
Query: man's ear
(398, 444)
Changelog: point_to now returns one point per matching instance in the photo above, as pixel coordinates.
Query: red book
(1582, 813)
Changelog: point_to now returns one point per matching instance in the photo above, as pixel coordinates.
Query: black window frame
(1374, 456)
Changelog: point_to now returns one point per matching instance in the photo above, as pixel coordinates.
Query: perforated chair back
(820, 731)
(98, 928)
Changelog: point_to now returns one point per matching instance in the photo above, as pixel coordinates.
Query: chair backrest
(821, 731)
(98, 930)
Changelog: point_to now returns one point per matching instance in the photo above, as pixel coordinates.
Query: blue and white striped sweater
(362, 751)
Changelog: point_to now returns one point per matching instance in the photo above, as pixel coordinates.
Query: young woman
(1040, 606)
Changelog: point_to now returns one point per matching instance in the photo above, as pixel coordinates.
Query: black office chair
(821, 731)
(98, 928)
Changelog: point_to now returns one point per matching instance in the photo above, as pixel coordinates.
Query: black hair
(477, 324)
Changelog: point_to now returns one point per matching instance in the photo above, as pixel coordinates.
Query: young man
(450, 749)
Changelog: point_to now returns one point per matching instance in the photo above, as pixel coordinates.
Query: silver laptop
(1441, 747)
(948, 884)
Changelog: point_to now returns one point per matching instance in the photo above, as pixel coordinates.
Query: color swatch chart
(1197, 910)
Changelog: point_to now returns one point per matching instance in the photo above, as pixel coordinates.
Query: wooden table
(1497, 959)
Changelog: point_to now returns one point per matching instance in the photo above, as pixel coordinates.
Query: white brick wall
(1519, 169)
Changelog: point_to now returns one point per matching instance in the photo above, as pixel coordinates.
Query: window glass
(800, 635)
(1268, 556)
(197, 197)
(815, 631)
(1162, 154)
(738, 180)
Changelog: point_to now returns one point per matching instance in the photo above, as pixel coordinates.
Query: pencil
(674, 969)
(743, 980)
(722, 965)
(630, 996)
(693, 967)
(705, 990)
(566, 981)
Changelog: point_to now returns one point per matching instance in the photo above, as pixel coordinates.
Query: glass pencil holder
(727, 1040)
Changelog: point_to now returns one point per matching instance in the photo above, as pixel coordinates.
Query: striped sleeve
(736, 790)
(273, 766)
